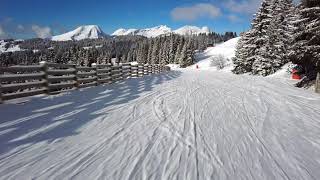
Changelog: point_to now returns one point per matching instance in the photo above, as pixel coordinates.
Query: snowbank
(173, 66)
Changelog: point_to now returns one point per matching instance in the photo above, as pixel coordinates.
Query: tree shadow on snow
(54, 117)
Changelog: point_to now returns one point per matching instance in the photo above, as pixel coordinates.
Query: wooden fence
(51, 78)
(317, 85)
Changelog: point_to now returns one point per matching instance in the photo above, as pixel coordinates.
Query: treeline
(160, 50)
(281, 32)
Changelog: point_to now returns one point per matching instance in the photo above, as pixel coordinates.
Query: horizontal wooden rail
(21, 77)
(23, 81)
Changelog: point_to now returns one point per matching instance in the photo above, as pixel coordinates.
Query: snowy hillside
(161, 30)
(226, 49)
(82, 32)
(149, 32)
(192, 30)
(11, 48)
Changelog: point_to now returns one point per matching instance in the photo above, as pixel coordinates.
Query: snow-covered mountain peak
(148, 32)
(80, 33)
(192, 30)
(162, 30)
(124, 32)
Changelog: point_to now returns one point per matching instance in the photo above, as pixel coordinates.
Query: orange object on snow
(295, 74)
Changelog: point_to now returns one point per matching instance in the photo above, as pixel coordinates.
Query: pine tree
(240, 61)
(179, 49)
(260, 28)
(263, 49)
(155, 52)
(306, 48)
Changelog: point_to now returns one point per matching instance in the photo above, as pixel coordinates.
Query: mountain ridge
(161, 30)
(95, 32)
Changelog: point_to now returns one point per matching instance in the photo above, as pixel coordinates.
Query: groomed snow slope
(185, 124)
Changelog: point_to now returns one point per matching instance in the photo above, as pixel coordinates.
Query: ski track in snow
(185, 124)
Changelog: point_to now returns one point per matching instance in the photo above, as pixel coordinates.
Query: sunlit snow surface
(185, 124)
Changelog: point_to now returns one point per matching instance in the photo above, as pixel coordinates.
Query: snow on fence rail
(51, 78)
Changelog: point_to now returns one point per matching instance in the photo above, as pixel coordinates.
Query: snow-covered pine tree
(240, 61)
(251, 49)
(180, 41)
(183, 55)
(172, 49)
(150, 47)
(260, 43)
(155, 50)
(190, 53)
(271, 54)
(306, 48)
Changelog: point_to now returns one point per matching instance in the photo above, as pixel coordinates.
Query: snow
(12, 48)
(149, 32)
(124, 32)
(162, 30)
(192, 30)
(90, 47)
(174, 66)
(282, 73)
(226, 49)
(185, 124)
(82, 32)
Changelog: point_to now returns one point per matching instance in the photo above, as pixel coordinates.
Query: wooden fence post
(129, 71)
(94, 65)
(317, 86)
(121, 77)
(145, 68)
(45, 70)
(152, 68)
(134, 71)
(1, 101)
(76, 85)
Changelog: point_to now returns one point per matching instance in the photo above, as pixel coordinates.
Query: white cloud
(192, 13)
(41, 32)
(234, 18)
(20, 27)
(244, 6)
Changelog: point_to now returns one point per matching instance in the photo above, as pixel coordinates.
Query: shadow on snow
(50, 118)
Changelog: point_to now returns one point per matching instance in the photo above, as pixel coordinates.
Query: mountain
(149, 32)
(192, 30)
(82, 32)
(161, 30)
(124, 32)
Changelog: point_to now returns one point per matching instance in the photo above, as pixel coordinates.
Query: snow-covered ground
(185, 124)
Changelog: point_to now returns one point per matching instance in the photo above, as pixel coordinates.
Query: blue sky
(41, 18)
